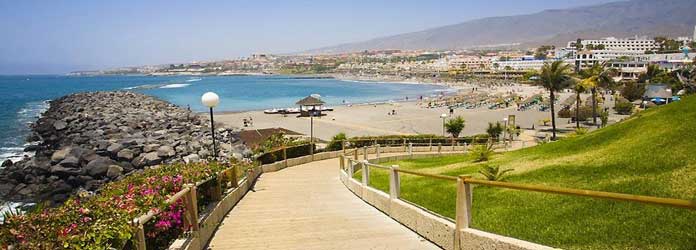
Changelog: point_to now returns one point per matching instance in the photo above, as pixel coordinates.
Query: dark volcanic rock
(85, 139)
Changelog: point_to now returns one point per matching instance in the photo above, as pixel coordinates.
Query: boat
(272, 111)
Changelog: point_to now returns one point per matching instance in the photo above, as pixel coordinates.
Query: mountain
(557, 27)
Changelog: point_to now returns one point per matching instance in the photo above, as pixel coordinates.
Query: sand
(410, 118)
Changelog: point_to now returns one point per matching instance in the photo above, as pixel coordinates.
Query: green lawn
(653, 153)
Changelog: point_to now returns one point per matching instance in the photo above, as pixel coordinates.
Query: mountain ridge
(553, 26)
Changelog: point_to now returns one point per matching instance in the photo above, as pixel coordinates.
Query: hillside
(651, 154)
(557, 27)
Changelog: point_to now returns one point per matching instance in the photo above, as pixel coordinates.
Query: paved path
(307, 207)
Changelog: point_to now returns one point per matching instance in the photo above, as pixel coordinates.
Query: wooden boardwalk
(307, 207)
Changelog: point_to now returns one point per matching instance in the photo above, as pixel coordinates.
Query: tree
(579, 87)
(633, 90)
(652, 72)
(597, 76)
(455, 126)
(554, 77)
(336, 142)
(494, 130)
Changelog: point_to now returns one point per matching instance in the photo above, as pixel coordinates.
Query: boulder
(152, 158)
(114, 148)
(93, 185)
(6, 163)
(60, 154)
(165, 152)
(150, 147)
(204, 153)
(126, 154)
(114, 171)
(99, 166)
(70, 162)
(59, 125)
(63, 171)
(192, 158)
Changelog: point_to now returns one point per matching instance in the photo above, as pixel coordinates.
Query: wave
(194, 80)
(174, 85)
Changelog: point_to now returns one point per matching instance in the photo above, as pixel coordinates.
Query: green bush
(624, 108)
(292, 152)
(103, 221)
(336, 142)
(494, 173)
(455, 126)
(633, 90)
(482, 152)
(393, 140)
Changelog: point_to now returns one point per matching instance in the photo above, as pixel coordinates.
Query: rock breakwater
(87, 139)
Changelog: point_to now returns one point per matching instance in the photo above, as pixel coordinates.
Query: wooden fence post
(410, 149)
(430, 144)
(465, 146)
(217, 189)
(404, 144)
(439, 147)
(355, 153)
(342, 162)
(394, 182)
(365, 173)
(377, 150)
(139, 243)
(365, 153)
(233, 177)
(351, 168)
(193, 207)
(343, 146)
(463, 207)
(285, 156)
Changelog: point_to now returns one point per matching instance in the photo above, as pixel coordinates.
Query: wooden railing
(465, 192)
(189, 197)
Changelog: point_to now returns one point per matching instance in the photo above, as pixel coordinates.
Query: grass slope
(652, 153)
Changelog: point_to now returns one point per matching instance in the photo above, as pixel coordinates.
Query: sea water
(24, 98)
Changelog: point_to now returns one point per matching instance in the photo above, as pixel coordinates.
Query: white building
(471, 63)
(629, 70)
(587, 58)
(612, 43)
(523, 65)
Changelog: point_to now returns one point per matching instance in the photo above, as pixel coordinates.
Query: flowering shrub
(104, 220)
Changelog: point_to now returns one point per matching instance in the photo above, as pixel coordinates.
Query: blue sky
(61, 36)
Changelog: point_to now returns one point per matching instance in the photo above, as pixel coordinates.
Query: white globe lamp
(210, 100)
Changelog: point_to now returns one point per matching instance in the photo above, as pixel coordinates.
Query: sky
(53, 37)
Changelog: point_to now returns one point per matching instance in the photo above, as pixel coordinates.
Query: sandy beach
(411, 117)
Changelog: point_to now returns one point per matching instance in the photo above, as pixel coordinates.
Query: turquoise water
(23, 98)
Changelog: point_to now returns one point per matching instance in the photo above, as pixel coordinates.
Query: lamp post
(443, 116)
(210, 100)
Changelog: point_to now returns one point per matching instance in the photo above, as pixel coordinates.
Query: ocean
(24, 98)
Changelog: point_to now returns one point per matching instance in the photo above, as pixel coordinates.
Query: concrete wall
(436, 228)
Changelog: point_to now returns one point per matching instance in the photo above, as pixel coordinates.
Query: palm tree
(597, 76)
(652, 72)
(579, 87)
(554, 77)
